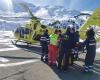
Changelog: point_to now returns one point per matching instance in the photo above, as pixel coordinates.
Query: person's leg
(72, 57)
(87, 57)
(91, 68)
(61, 55)
(66, 59)
(86, 69)
(46, 53)
(91, 59)
(42, 55)
(50, 54)
(90, 62)
(54, 54)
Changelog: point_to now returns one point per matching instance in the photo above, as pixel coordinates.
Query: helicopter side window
(21, 30)
(27, 31)
(35, 26)
(43, 26)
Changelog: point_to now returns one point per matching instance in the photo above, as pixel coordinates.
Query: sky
(70, 4)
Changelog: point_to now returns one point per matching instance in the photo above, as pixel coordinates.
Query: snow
(4, 60)
(12, 14)
(81, 40)
(13, 20)
(87, 12)
(98, 50)
(6, 34)
(5, 39)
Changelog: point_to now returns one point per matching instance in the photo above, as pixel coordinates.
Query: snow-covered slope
(41, 11)
(55, 11)
(50, 15)
(6, 34)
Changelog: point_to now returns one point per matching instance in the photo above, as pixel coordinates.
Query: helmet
(90, 32)
(70, 29)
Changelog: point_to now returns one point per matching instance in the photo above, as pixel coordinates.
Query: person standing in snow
(53, 48)
(44, 41)
(68, 42)
(90, 44)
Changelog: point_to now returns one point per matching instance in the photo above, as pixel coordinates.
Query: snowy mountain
(50, 15)
(40, 11)
(55, 11)
(46, 10)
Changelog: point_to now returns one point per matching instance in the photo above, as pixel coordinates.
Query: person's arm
(48, 40)
(85, 42)
(41, 40)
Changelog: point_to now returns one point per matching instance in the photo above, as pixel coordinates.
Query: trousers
(52, 54)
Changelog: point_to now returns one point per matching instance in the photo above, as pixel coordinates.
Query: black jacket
(44, 40)
(90, 42)
(69, 40)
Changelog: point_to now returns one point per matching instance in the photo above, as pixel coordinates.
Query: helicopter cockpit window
(43, 26)
(17, 30)
(35, 26)
(27, 31)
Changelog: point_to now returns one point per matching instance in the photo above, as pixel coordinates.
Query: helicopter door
(35, 26)
(34, 34)
(21, 30)
(27, 33)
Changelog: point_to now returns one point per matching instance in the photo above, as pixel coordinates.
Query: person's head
(59, 32)
(77, 32)
(46, 31)
(68, 29)
(90, 32)
(72, 30)
(56, 31)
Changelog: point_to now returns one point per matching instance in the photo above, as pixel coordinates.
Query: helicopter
(32, 31)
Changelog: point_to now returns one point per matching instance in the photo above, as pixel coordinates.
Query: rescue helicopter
(32, 31)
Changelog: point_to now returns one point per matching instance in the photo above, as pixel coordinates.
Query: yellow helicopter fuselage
(32, 32)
